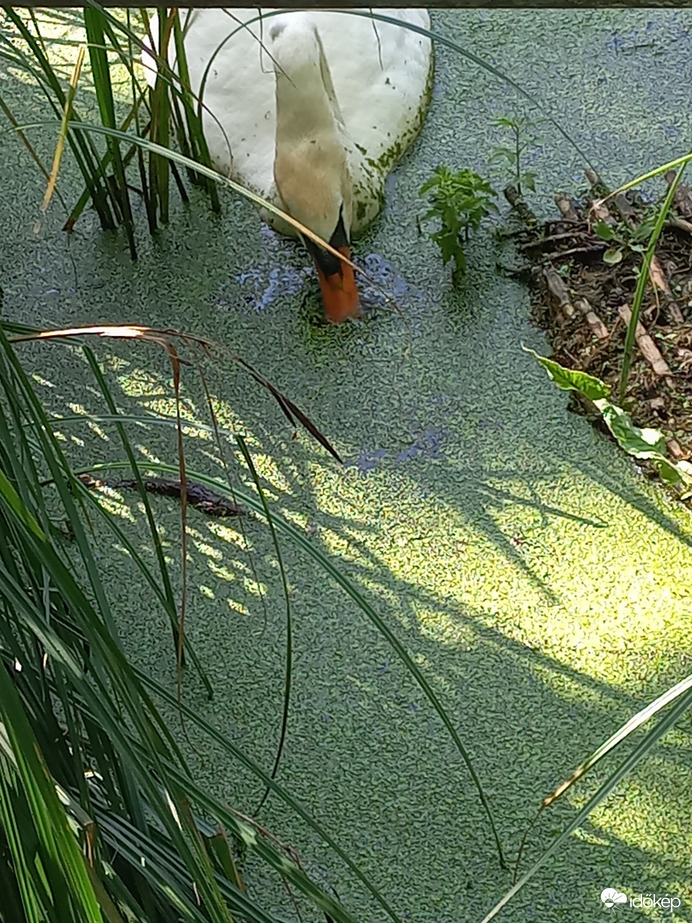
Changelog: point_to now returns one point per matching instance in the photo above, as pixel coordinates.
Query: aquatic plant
(459, 201)
(523, 137)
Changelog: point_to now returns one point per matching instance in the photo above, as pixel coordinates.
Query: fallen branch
(596, 247)
(549, 239)
(200, 497)
(680, 224)
(559, 291)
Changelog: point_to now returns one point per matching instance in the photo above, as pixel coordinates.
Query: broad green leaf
(571, 379)
(603, 230)
(613, 256)
(641, 443)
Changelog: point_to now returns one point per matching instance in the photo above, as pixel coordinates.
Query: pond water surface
(540, 582)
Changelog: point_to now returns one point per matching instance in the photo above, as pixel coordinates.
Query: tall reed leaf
(98, 54)
(100, 816)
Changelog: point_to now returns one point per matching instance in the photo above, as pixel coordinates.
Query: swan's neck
(303, 107)
(313, 151)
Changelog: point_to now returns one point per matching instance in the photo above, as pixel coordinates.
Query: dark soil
(583, 302)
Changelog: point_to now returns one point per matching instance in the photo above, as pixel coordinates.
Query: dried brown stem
(647, 346)
(592, 319)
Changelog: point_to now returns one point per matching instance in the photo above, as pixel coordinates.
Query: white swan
(311, 110)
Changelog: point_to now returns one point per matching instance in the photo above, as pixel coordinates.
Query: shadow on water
(390, 781)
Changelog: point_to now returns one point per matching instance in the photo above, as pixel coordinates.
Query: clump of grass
(111, 42)
(100, 817)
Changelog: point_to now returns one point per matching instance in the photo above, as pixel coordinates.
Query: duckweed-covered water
(540, 582)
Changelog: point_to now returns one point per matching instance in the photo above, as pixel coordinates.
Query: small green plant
(460, 201)
(523, 137)
(623, 237)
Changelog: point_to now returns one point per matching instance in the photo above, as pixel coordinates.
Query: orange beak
(339, 291)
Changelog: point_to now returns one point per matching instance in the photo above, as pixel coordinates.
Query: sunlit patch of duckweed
(77, 408)
(209, 551)
(140, 383)
(146, 452)
(237, 607)
(226, 533)
(113, 502)
(41, 381)
(98, 431)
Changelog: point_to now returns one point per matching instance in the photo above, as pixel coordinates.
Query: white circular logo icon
(611, 896)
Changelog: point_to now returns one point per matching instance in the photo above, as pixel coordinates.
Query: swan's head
(311, 167)
(294, 45)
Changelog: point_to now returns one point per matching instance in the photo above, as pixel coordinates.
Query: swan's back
(380, 74)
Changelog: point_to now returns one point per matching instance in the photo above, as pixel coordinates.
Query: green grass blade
(98, 55)
(623, 770)
(643, 281)
(160, 121)
(64, 867)
(15, 830)
(168, 154)
(288, 669)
